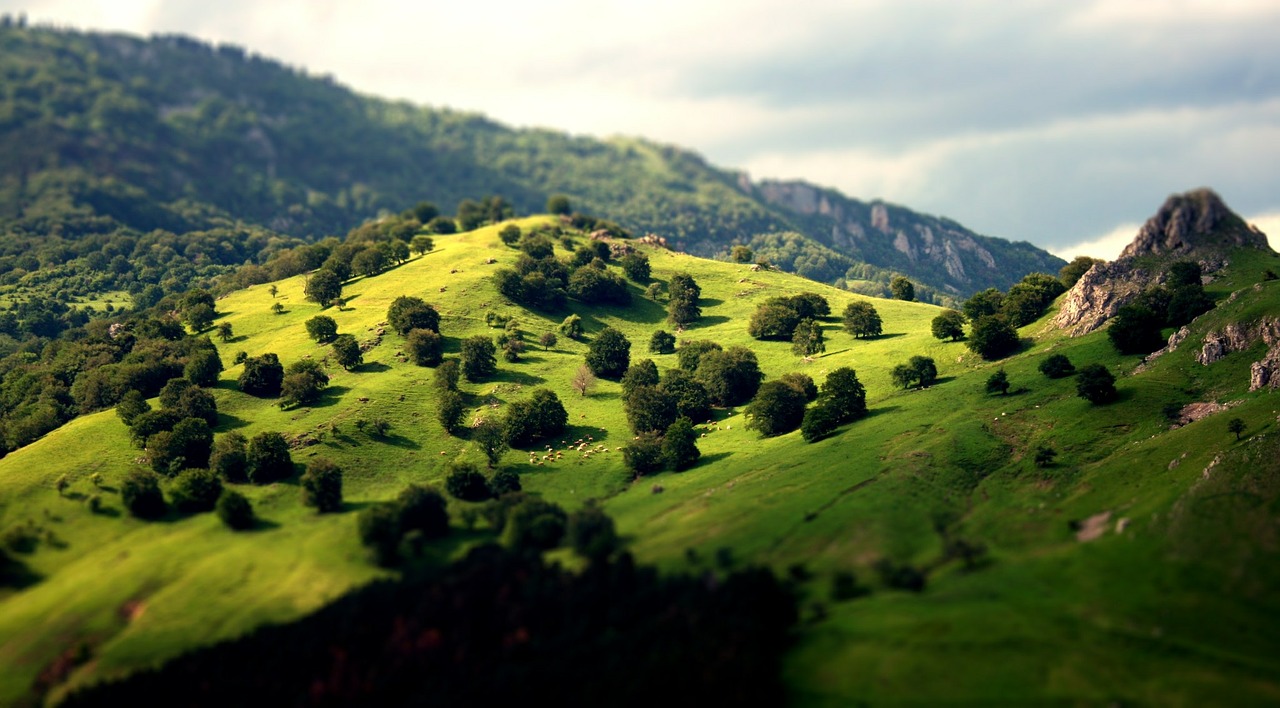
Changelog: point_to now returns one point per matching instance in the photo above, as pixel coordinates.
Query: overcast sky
(1061, 123)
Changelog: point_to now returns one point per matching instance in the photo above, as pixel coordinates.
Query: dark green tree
(235, 510)
(504, 482)
(683, 294)
(777, 408)
(547, 340)
(491, 436)
(447, 375)
(1096, 384)
(1076, 269)
(641, 373)
(195, 490)
(592, 534)
(983, 304)
(558, 204)
(741, 254)
(773, 319)
(992, 337)
(478, 360)
(323, 287)
(644, 454)
(141, 496)
(424, 347)
(844, 394)
(228, 458)
(465, 482)
(948, 325)
(199, 317)
(408, 313)
(691, 398)
(303, 383)
(902, 289)
(1236, 426)
(1136, 330)
(862, 320)
(680, 445)
(571, 327)
(1057, 366)
(346, 351)
(820, 420)
(609, 354)
(267, 459)
(636, 266)
(731, 377)
(422, 244)
(649, 409)
(442, 225)
(322, 486)
(322, 328)
(132, 405)
(203, 367)
(807, 339)
(802, 383)
(998, 382)
(540, 417)
(449, 411)
(662, 342)
(1044, 455)
(262, 376)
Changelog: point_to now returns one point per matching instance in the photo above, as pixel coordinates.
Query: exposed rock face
(1099, 294)
(1235, 337)
(1190, 222)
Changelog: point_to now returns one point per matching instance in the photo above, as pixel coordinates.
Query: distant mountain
(104, 132)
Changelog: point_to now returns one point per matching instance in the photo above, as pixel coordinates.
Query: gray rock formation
(1237, 336)
(1191, 222)
(1099, 294)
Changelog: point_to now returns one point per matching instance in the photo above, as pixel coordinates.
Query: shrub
(1057, 366)
(303, 383)
(478, 361)
(680, 445)
(571, 327)
(346, 351)
(406, 313)
(777, 408)
(140, 493)
(844, 394)
(267, 459)
(196, 490)
(465, 482)
(731, 377)
(449, 411)
(992, 337)
(322, 486)
(425, 347)
(862, 320)
(819, 421)
(998, 382)
(322, 329)
(262, 376)
(662, 342)
(1096, 384)
(643, 455)
(609, 354)
(948, 325)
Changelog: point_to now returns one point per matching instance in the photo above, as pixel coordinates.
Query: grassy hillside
(1174, 608)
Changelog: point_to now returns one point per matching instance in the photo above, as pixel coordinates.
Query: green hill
(1169, 602)
(204, 157)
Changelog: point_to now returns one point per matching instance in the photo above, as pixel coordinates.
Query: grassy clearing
(1132, 616)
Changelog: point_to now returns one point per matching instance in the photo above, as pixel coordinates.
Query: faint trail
(814, 514)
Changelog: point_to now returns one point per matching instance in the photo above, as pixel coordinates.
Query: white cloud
(1107, 246)
(1268, 224)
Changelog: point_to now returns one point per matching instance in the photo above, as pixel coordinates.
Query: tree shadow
(516, 377)
(259, 525)
(713, 457)
(329, 396)
(890, 335)
(350, 506)
(397, 441)
(878, 410)
(108, 511)
(707, 321)
(372, 367)
(709, 302)
(227, 422)
(585, 433)
(16, 575)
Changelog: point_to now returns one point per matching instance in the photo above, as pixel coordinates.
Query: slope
(1139, 615)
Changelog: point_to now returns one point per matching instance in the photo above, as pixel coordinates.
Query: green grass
(1139, 616)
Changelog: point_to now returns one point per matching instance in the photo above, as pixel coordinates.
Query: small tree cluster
(1096, 384)
(397, 529)
(675, 448)
(777, 408)
(303, 383)
(322, 486)
(609, 354)
(992, 337)
(1057, 366)
(683, 294)
(862, 320)
(540, 417)
(407, 313)
(842, 399)
(262, 376)
(919, 371)
(948, 325)
(478, 358)
(778, 317)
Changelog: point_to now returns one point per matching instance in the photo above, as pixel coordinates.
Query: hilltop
(109, 142)
(1135, 565)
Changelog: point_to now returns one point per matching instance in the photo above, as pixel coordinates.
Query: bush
(303, 383)
(609, 354)
(1096, 384)
(731, 377)
(992, 337)
(537, 418)
(643, 455)
(844, 394)
(636, 266)
(196, 490)
(571, 327)
(948, 325)
(268, 459)
(819, 421)
(262, 376)
(425, 348)
(504, 482)
(449, 411)
(1057, 366)
(228, 459)
(408, 313)
(478, 361)
(592, 534)
(778, 408)
(662, 342)
(648, 409)
(140, 493)
(998, 382)
(862, 320)
(322, 486)
(1135, 329)
(680, 445)
(465, 482)
(346, 351)
(322, 329)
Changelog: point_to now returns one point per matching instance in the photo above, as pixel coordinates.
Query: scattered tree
(322, 329)
(1045, 455)
(1096, 384)
(802, 383)
(807, 339)
(228, 459)
(195, 491)
(998, 382)
(649, 409)
(1073, 271)
(478, 361)
(741, 254)
(1135, 329)
(592, 534)
(644, 454)
(322, 486)
(636, 266)
(992, 337)
(273, 291)
(1237, 426)
(641, 373)
(662, 342)
(447, 375)
(682, 300)
(425, 348)
(131, 406)
(422, 244)
(862, 320)
(268, 459)
(1057, 366)
(224, 332)
(819, 421)
(902, 289)
(777, 408)
(323, 287)
(537, 418)
(571, 327)
(465, 482)
(442, 225)
(140, 493)
(491, 436)
(235, 510)
(558, 204)
(731, 377)
(583, 380)
(346, 351)
(948, 325)
(408, 313)
(449, 411)
(303, 383)
(680, 445)
(547, 340)
(262, 376)
(845, 394)
(609, 353)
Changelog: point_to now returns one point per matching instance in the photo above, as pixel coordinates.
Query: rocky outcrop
(1237, 336)
(1191, 222)
(1099, 294)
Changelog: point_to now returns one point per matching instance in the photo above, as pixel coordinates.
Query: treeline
(499, 627)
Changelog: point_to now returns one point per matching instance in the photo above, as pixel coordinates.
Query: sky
(1065, 124)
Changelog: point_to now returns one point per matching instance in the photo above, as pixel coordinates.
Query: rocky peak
(1191, 222)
